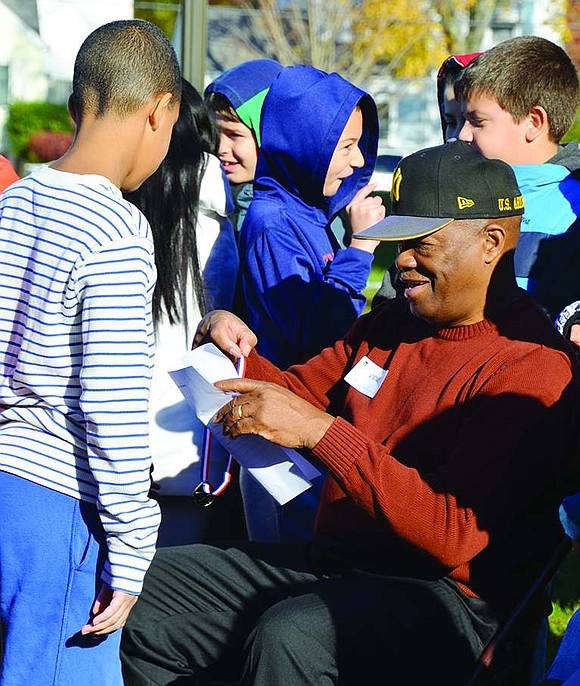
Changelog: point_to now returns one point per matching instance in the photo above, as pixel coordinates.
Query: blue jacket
(302, 291)
(547, 258)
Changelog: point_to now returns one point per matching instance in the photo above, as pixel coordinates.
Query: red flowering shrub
(45, 146)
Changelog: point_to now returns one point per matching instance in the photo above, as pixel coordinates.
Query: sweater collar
(485, 326)
(462, 333)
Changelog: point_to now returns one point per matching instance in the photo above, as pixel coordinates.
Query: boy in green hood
(236, 99)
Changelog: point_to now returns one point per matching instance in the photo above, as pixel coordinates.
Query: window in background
(59, 90)
(4, 78)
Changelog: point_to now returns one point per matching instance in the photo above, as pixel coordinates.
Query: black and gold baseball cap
(436, 186)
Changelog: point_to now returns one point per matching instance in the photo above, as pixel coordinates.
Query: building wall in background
(63, 26)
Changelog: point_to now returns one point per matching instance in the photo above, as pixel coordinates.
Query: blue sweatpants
(50, 560)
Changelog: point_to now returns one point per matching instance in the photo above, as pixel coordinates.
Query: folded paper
(284, 473)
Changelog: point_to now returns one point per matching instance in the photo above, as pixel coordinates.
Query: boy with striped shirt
(76, 341)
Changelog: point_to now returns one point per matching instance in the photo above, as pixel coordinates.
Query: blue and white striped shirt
(76, 354)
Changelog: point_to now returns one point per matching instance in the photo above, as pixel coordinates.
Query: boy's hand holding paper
(227, 331)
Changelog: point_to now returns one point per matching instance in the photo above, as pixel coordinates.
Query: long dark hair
(170, 201)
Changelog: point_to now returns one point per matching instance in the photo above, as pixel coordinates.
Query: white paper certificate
(284, 473)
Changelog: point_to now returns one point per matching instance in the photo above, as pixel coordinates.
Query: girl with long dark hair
(187, 202)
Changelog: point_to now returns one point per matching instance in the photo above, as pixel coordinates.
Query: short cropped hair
(524, 72)
(222, 107)
(122, 65)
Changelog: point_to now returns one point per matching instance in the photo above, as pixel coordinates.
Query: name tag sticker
(366, 376)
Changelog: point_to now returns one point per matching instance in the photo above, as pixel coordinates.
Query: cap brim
(403, 228)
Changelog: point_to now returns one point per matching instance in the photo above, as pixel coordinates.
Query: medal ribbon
(204, 492)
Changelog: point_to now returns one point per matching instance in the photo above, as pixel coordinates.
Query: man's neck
(503, 289)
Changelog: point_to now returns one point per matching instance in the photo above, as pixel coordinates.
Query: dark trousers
(263, 615)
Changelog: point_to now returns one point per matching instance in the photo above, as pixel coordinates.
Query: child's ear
(538, 123)
(71, 109)
(159, 108)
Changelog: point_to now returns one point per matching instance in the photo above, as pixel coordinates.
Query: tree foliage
(405, 38)
(162, 13)
(463, 22)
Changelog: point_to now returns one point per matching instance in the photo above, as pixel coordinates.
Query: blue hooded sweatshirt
(547, 258)
(302, 291)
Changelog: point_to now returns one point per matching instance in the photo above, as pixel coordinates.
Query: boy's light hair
(521, 73)
(122, 65)
(222, 107)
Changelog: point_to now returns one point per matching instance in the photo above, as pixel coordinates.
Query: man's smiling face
(443, 274)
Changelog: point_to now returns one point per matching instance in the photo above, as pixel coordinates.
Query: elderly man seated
(446, 420)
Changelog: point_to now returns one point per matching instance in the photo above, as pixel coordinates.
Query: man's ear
(159, 109)
(538, 123)
(494, 238)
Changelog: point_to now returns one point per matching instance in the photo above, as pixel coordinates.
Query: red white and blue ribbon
(205, 493)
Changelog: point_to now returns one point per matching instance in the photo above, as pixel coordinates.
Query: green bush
(573, 133)
(27, 118)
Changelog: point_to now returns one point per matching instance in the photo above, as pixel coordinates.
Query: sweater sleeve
(115, 286)
(319, 381)
(297, 306)
(509, 448)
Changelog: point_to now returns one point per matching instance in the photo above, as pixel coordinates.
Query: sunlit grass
(565, 600)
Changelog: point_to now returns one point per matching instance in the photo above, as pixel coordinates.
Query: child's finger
(363, 192)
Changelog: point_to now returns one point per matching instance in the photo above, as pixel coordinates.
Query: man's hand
(110, 612)
(227, 332)
(273, 412)
(363, 212)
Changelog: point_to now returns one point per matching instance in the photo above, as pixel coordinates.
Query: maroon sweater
(456, 467)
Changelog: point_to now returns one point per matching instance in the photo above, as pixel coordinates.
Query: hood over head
(303, 117)
(246, 86)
